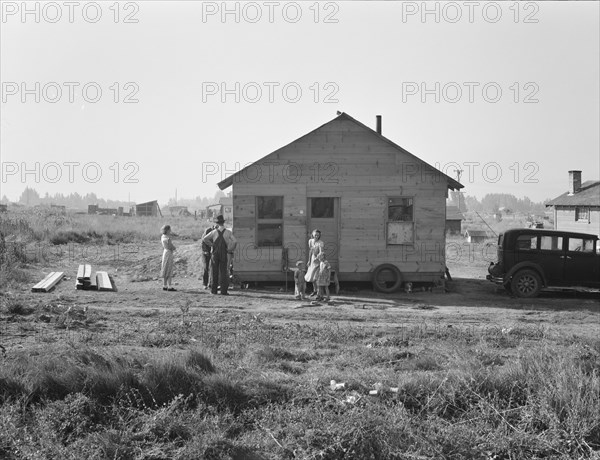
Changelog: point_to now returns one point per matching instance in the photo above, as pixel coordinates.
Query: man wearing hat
(222, 244)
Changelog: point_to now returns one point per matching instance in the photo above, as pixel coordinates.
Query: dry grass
(218, 382)
(258, 390)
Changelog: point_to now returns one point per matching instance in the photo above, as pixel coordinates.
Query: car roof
(539, 231)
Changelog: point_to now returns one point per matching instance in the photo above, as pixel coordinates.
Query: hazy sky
(508, 92)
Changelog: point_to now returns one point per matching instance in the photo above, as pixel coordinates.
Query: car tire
(382, 285)
(526, 284)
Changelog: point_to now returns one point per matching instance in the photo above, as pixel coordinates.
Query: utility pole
(458, 174)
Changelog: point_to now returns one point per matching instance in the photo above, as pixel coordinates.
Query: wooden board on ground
(93, 281)
(48, 283)
(103, 281)
(84, 272)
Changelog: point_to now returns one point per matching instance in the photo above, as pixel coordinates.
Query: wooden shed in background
(454, 220)
(381, 209)
(150, 209)
(476, 236)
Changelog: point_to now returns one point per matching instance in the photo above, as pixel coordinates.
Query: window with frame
(582, 214)
(269, 221)
(400, 220)
(322, 208)
(551, 243)
(581, 244)
(526, 243)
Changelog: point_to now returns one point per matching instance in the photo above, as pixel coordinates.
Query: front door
(552, 259)
(324, 214)
(582, 264)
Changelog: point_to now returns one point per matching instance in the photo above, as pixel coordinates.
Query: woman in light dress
(166, 270)
(315, 247)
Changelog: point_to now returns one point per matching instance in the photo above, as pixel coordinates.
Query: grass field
(145, 374)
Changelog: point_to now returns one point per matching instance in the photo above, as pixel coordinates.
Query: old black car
(531, 259)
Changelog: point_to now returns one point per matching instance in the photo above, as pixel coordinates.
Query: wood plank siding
(362, 170)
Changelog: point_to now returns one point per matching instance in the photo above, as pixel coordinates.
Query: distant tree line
(30, 197)
(493, 202)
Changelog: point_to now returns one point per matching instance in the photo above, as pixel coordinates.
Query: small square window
(582, 214)
(270, 235)
(322, 208)
(269, 207)
(400, 209)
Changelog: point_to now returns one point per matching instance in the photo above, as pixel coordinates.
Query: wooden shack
(476, 236)
(150, 209)
(454, 220)
(226, 203)
(381, 209)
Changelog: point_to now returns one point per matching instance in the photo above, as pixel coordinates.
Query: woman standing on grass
(167, 259)
(315, 247)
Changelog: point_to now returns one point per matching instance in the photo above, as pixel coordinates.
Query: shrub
(200, 362)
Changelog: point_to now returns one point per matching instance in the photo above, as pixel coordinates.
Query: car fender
(522, 265)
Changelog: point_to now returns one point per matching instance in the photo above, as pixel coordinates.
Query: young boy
(299, 280)
(324, 278)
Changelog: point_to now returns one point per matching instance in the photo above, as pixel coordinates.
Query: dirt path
(470, 302)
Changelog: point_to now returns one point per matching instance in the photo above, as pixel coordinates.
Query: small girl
(299, 280)
(324, 278)
(167, 259)
(315, 246)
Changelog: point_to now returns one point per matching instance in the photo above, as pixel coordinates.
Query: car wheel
(526, 283)
(386, 278)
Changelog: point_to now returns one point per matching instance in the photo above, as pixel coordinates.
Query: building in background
(578, 209)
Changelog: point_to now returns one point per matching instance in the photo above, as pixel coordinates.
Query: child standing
(324, 278)
(299, 280)
(167, 259)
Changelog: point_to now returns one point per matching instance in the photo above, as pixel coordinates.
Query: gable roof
(452, 213)
(588, 195)
(452, 183)
(476, 233)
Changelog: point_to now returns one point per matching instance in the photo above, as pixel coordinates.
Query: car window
(581, 244)
(526, 242)
(551, 243)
